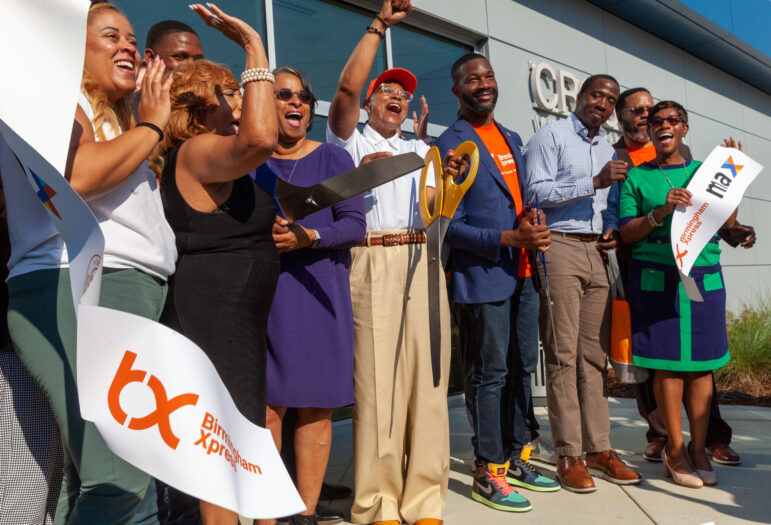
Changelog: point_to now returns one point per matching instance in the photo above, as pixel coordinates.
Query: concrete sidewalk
(743, 494)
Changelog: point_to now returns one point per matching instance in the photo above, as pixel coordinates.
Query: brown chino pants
(576, 362)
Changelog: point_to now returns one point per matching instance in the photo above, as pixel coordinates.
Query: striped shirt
(561, 162)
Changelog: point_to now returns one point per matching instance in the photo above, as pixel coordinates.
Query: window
(143, 14)
(318, 36)
(429, 57)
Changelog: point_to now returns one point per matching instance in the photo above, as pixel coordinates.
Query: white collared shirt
(394, 205)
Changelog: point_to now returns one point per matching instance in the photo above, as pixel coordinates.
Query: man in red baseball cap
(401, 428)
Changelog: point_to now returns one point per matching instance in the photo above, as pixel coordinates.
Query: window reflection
(143, 14)
(318, 37)
(429, 57)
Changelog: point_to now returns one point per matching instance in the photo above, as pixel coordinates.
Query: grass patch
(749, 341)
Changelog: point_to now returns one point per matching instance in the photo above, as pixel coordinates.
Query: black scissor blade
(298, 201)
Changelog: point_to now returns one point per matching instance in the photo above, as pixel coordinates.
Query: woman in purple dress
(310, 326)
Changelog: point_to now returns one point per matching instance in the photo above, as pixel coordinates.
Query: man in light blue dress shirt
(573, 174)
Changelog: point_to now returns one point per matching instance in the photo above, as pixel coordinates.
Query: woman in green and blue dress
(679, 340)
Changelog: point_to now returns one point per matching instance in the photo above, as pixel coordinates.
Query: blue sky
(749, 20)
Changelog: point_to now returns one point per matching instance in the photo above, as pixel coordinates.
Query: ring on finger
(216, 20)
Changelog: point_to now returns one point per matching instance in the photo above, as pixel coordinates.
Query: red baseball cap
(396, 74)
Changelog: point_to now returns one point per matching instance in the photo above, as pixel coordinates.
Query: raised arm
(95, 168)
(211, 157)
(344, 109)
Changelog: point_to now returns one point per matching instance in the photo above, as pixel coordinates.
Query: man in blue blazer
(494, 300)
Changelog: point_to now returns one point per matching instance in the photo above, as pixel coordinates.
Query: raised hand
(420, 125)
(614, 170)
(730, 142)
(155, 104)
(234, 28)
(394, 11)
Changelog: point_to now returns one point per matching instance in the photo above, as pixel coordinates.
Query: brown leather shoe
(572, 473)
(428, 521)
(608, 466)
(653, 451)
(723, 454)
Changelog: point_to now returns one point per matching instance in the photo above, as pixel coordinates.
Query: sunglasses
(638, 111)
(286, 94)
(389, 90)
(657, 122)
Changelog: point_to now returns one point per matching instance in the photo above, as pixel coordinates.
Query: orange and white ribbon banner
(717, 187)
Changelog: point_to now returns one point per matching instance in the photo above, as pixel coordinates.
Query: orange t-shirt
(642, 154)
(504, 159)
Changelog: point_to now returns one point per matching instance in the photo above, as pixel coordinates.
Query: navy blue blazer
(483, 271)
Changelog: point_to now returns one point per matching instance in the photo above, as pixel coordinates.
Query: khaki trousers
(576, 370)
(400, 422)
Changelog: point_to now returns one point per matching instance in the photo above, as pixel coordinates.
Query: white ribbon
(717, 187)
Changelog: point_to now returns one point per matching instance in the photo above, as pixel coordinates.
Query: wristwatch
(316, 240)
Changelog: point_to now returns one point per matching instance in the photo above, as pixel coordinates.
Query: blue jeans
(499, 349)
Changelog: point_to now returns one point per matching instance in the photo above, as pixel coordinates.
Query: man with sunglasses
(574, 174)
(636, 147)
(400, 420)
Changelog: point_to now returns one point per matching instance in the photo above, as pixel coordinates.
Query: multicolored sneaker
(523, 474)
(490, 488)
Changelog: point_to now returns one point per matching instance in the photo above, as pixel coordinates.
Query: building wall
(582, 39)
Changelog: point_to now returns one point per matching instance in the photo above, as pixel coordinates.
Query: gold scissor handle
(453, 193)
(429, 216)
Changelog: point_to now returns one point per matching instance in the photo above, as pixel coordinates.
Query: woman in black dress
(228, 264)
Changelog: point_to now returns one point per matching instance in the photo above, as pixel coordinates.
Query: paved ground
(743, 494)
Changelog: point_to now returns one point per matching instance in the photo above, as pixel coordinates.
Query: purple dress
(310, 325)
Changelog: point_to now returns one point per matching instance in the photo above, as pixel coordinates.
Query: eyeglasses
(389, 90)
(657, 122)
(286, 94)
(638, 111)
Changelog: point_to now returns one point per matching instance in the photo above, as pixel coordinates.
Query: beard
(633, 132)
(475, 105)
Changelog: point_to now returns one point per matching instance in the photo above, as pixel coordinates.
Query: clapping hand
(731, 142)
(155, 103)
(420, 125)
(234, 28)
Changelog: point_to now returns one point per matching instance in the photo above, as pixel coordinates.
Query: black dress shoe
(332, 491)
(327, 516)
(301, 519)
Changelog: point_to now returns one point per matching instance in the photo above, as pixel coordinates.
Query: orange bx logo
(163, 405)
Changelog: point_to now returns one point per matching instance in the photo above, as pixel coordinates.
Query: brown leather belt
(394, 239)
(583, 237)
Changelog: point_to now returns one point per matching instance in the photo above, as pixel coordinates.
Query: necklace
(291, 173)
(669, 181)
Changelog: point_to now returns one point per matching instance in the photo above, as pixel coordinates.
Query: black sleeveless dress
(223, 287)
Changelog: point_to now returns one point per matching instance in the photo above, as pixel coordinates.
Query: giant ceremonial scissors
(447, 197)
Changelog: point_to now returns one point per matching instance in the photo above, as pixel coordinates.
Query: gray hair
(306, 85)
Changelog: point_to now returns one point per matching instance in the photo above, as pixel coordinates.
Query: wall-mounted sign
(554, 96)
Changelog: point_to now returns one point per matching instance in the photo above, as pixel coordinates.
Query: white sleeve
(351, 145)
